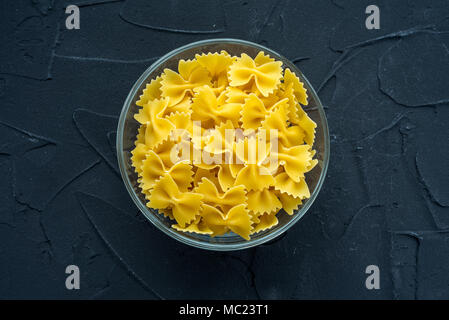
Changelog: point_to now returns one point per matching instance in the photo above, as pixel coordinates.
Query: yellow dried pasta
(267, 76)
(224, 144)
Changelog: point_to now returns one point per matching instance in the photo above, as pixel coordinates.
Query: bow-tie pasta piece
(290, 135)
(138, 155)
(225, 201)
(291, 80)
(216, 63)
(253, 112)
(289, 203)
(296, 189)
(224, 144)
(153, 168)
(252, 149)
(224, 176)
(177, 85)
(157, 128)
(237, 220)
(263, 201)
(166, 194)
(167, 151)
(295, 92)
(254, 177)
(235, 95)
(182, 123)
(184, 106)
(277, 120)
(205, 107)
(220, 140)
(267, 76)
(293, 105)
(265, 221)
(270, 100)
(152, 91)
(307, 125)
(262, 58)
(295, 160)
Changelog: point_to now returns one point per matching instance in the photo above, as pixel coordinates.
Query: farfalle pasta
(224, 144)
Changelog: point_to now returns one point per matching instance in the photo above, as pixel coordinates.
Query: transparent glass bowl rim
(173, 233)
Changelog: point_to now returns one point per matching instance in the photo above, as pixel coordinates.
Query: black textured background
(385, 200)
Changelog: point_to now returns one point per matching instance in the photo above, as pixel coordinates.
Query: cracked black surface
(385, 200)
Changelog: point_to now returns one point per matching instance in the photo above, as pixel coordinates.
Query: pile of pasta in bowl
(224, 144)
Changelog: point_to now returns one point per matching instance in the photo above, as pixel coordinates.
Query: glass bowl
(127, 131)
